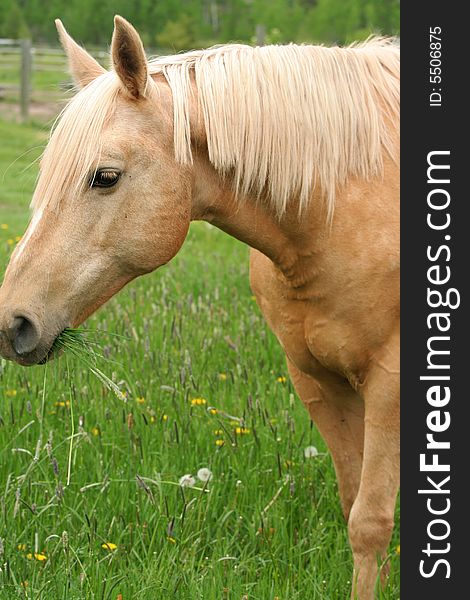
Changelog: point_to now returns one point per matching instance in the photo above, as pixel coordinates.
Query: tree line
(184, 24)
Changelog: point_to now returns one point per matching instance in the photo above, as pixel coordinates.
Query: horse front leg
(338, 412)
(372, 516)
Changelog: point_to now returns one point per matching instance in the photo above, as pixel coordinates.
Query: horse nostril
(23, 335)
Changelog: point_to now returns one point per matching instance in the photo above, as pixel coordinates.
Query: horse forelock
(75, 142)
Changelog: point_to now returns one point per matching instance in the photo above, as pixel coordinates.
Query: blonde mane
(280, 120)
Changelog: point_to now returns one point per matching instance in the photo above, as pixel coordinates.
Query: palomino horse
(294, 151)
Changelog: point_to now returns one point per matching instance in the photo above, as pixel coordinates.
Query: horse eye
(104, 178)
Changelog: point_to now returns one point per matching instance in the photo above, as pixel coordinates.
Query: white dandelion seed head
(187, 480)
(204, 474)
(310, 452)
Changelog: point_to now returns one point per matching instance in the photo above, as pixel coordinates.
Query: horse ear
(128, 57)
(83, 67)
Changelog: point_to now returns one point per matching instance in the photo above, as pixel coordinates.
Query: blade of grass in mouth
(75, 342)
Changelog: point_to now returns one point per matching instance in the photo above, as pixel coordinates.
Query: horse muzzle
(21, 339)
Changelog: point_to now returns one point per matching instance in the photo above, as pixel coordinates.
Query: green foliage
(12, 22)
(349, 20)
(177, 35)
(178, 25)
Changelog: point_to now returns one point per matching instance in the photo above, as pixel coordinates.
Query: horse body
(324, 260)
(332, 302)
(339, 327)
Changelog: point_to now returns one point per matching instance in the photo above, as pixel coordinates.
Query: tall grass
(79, 344)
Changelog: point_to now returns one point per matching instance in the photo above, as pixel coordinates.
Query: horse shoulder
(285, 315)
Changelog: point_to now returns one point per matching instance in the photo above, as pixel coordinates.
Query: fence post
(25, 91)
(260, 35)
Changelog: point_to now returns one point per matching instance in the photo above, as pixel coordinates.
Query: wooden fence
(33, 73)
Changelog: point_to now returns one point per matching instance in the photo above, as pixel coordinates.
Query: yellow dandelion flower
(22, 547)
(281, 379)
(198, 401)
(218, 432)
(17, 238)
(110, 546)
(4, 226)
(10, 393)
(95, 431)
(36, 555)
(219, 442)
(10, 241)
(213, 411)
(397, 549)
(242, 431)
(152, 419)
(171, 539)
(164, 417)
(253, 297)
(63, 403)
(222, 376)
(140, 400)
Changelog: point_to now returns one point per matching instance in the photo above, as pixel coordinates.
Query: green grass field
(196, 353)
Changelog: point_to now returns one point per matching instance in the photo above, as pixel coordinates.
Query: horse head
(111, 202)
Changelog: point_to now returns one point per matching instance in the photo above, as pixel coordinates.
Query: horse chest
(311, 339)
(287, 322)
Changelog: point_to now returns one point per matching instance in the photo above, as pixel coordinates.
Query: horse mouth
(53, 352)
(39, 356)
(49, 356)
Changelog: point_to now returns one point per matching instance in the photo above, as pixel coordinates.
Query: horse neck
(290, 241)
(286, 241)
